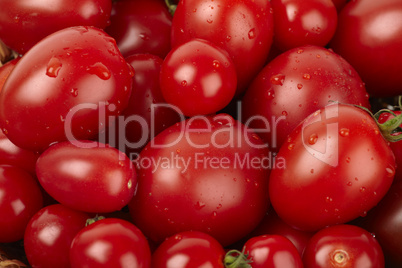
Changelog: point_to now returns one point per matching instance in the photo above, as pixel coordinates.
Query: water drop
(251, 34)
(300, 51)
(199, 205)
(184, 83)
(178, 237)
(390, 171)
(216, 64)
(5, 131)
(219, 206)
(100, 70)
(299, 86)
(349, 183)
(53, 67)
(306, 76)
(270, 94)
(328, 199)
(178, 151)
(214, 214)
(284, 113)
(74, 92)
(210, 21)
(143, 36)
(277, 79)
(347, 159)
(313, 139)
(291, 146)
(344, 132)
(312, 171)
(362, 189)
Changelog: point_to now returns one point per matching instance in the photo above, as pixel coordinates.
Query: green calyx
(93, 220)
(171, 6)
(237, 259)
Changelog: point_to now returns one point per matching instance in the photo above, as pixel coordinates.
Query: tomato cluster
(200, 133)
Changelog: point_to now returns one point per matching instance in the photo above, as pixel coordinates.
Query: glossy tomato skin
(6, 69)
(343, 246)
(205, 178)
(49, 234)
(147, 112)
(369, 37)
(243, 28)
(198, 77)
(63, 87)
(294, 85)
(110, 243)
(187, 250)
(298, 23)
(24, 23)
(338, 167)
(87, 176)
(271, 251)
(21, 199)
(141, 27)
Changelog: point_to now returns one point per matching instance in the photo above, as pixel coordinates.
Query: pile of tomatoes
(200, 133)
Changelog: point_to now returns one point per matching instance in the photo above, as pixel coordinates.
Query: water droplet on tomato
(214, 214)
(129, 184)
(344, 132)
(291, 146)
(219, 206)
(349, 183)
(251, 34)
(5, 131)
(216, 64)
(178, 237)
(312, 171)
(199, 205)
(284, 113)
(363, 214)
(299, 86)
(347, 159)
(184, 83)
(390, 171)
(328, 199)
(306, 76)
(277, 79)
(300, 51)
(53, 67)
(210, 21)
(270, 94)
(74, 92)
(144, 36)
(313, 139)
(178, 150)
(100, 70)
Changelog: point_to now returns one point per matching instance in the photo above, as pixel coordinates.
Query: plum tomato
(49, 234)
(198, 77)
(64, 88)
(141, 27)
(201, 174)
(303, 22)
(243, 28)
(294, 85)
(20, 199)
(6, 69)
(338, 167)
(369, 37)
(24, 23)
(187, 250)
(109, 243)
(87, 176)
(343, 246)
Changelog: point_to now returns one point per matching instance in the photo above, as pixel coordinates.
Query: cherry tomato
(198, 77)
(20, 199)
(24, 23)
(87, 176)
(63, 87)
(202, 174)
(141, 27)
(343, 246)
(189, 249)
(272, 251)
(303, 22)
(110, 243)
(369, 37)
(243, 28)
(49, 234)
(338, 166)
(6, 69)
(294, 85)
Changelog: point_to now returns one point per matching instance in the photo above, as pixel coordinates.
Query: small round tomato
(24, 23)
(141, 27)
(49, 234)
(369, 37)
(198, 77)
(343, 246)
(64, 88)
(338, 167)
(20, 199)
(303, 22)
(110, 243)
(243, 28)
(189, 249)
(87, 176)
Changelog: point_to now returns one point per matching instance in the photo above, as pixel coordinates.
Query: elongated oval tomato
(24, 23)
(87, 176)
(202, 174)
(63, 87)
(338, 167)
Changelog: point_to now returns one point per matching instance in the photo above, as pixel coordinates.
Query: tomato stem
(236, 259)
(171, 6)
(94, 219)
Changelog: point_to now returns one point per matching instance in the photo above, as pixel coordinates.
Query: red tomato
(202, 174)
(110, 243)
(303, 22)
(198, 77)
(343, 246)
(49, 234)
(338, 166)
(6, 69)
(20, 199)
(243, 28)
(294, 85)
(369, 37)
(272, 251)
(141, 27)
(87, 176)
(24, 23)
(63, 87)
(187, 250)
(147, 112)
